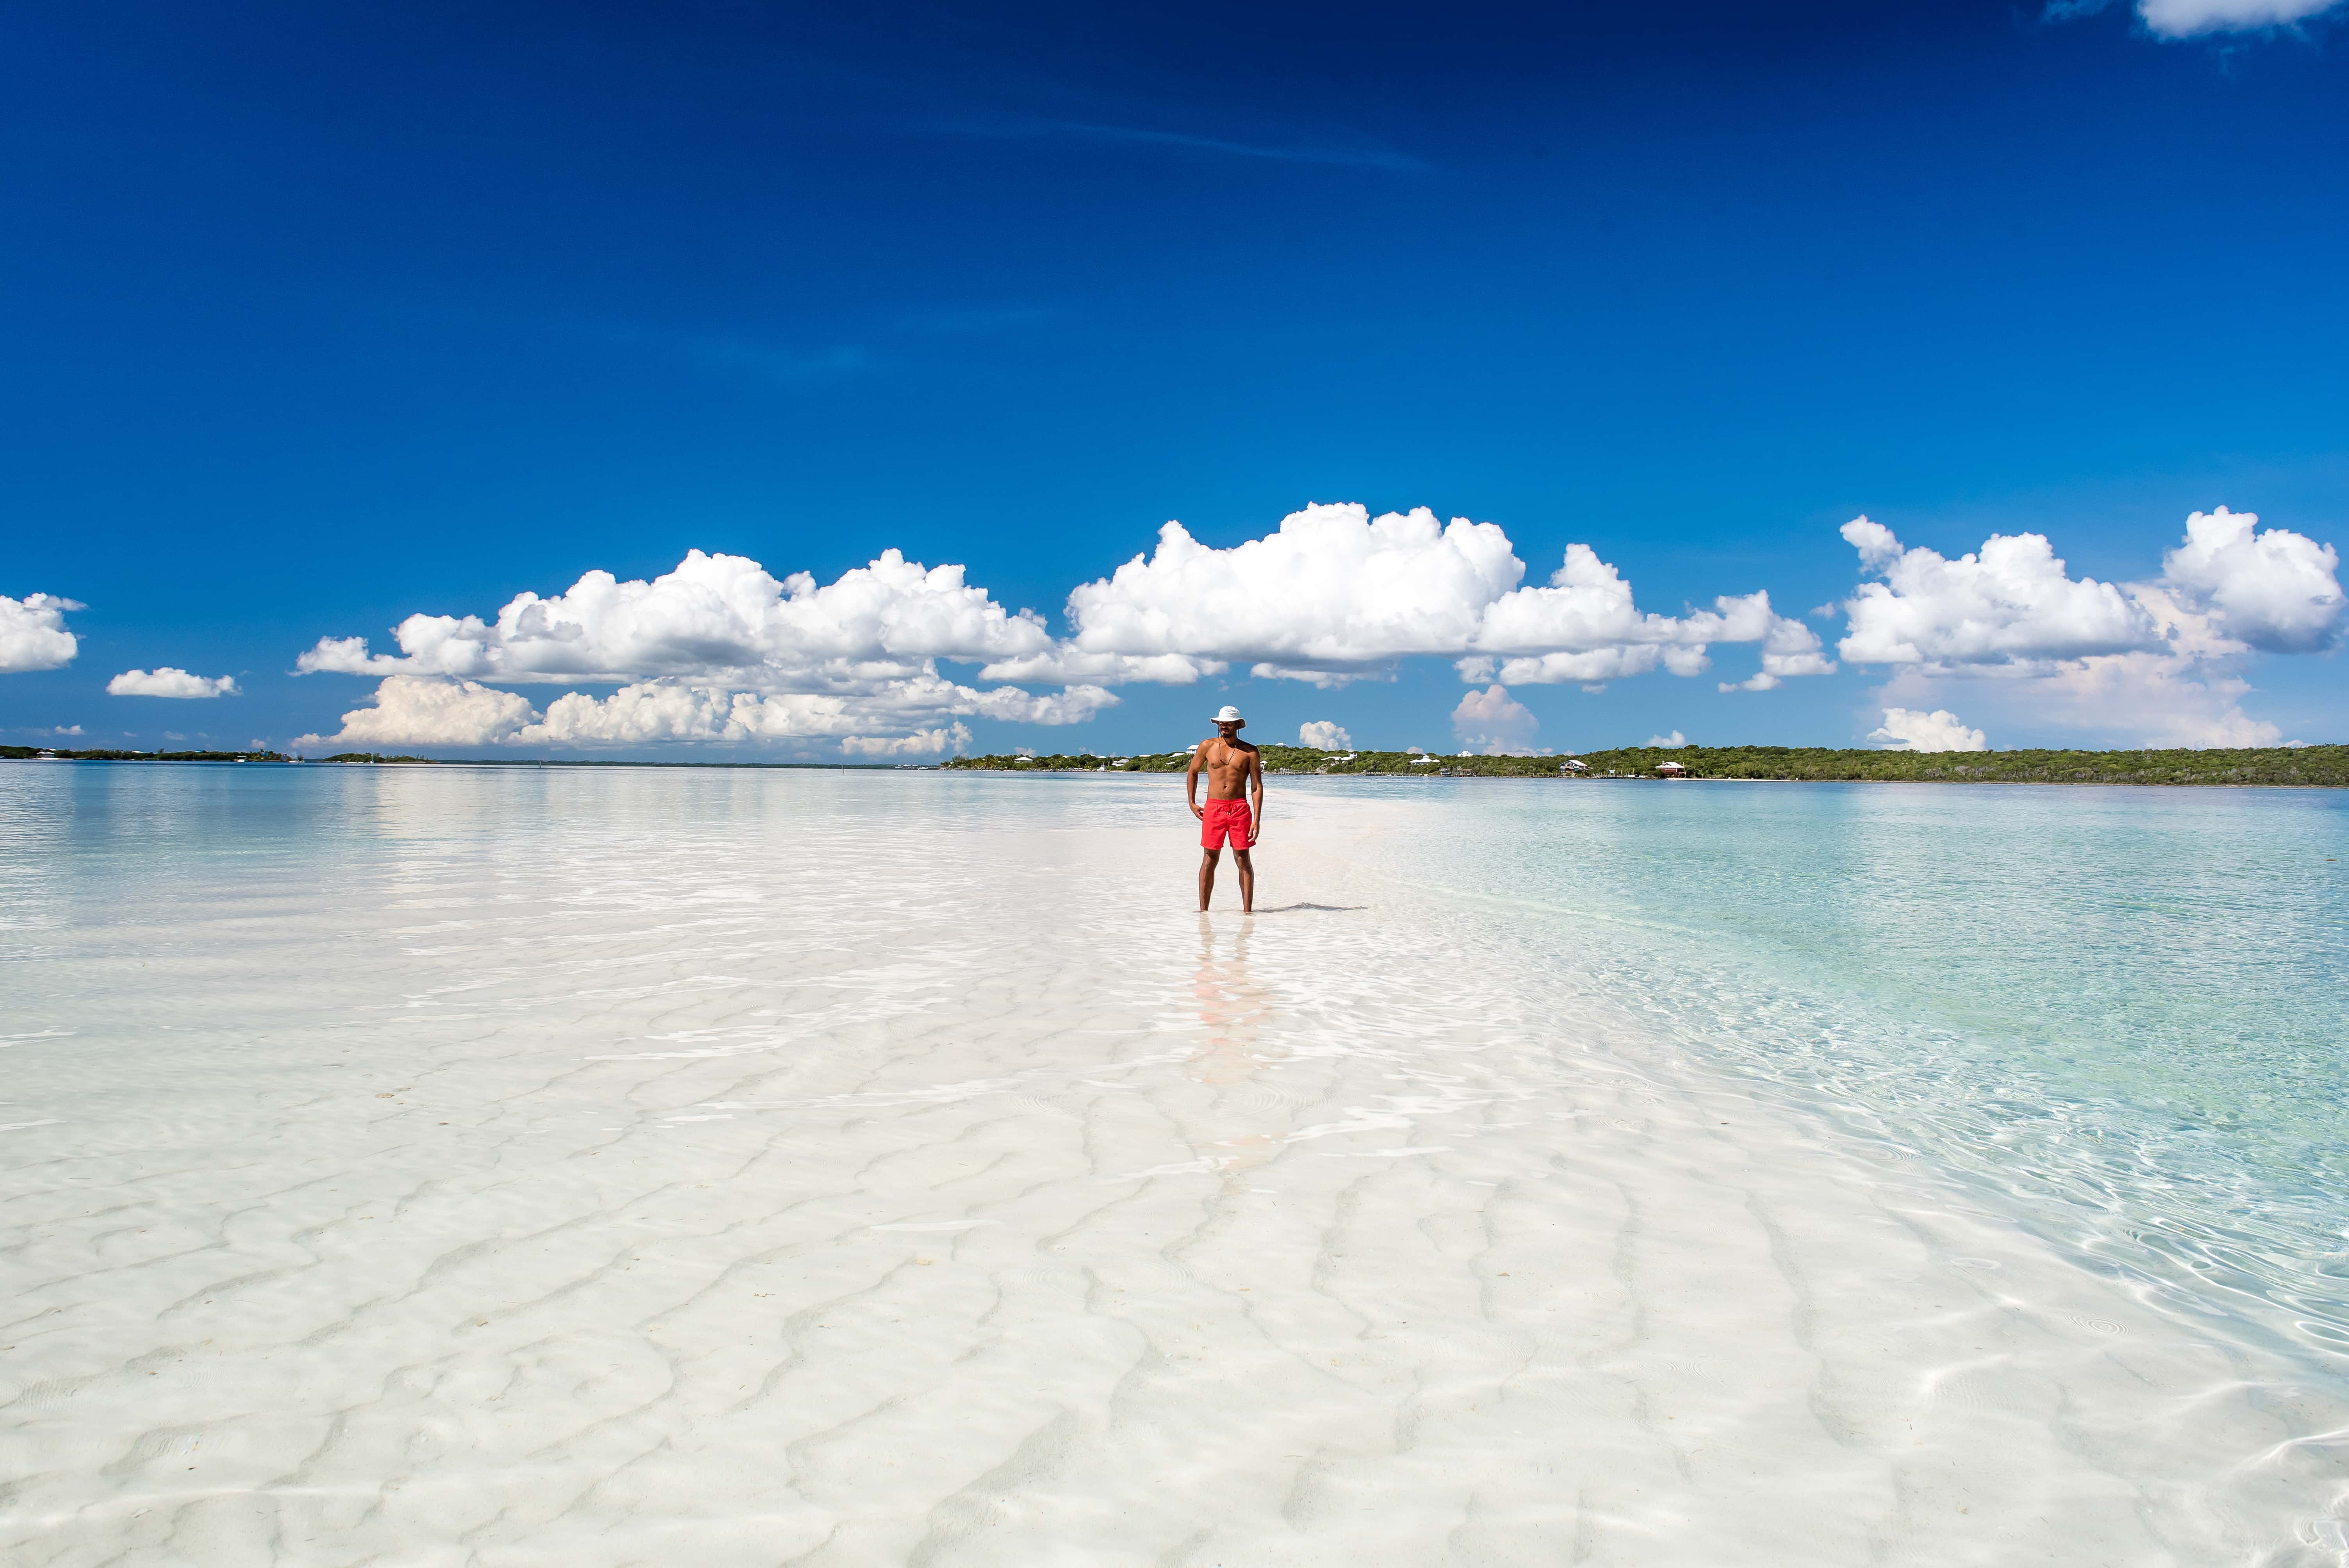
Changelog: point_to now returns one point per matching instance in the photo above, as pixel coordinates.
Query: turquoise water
(639, 1165)
(2118, 1010)
(2121, 1009)
(2124, 1005)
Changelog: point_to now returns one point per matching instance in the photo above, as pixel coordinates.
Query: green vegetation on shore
(2302, 764)
(103, 753)
(50, 753)
(2273, 765)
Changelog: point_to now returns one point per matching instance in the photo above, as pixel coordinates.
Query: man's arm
(1256, 789)
(1191, 779)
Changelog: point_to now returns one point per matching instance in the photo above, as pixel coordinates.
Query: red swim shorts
(1224, 818)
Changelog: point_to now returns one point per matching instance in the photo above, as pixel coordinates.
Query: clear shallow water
(2126, 1008)
(518, 1167)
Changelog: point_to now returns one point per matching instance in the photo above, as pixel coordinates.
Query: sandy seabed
(757, 1186)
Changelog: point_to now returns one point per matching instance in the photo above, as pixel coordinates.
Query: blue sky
(325, 317)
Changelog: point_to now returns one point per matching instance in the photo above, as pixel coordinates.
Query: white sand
(742, 1182)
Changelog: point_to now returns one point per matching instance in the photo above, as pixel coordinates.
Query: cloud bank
(719, 650)
(722, 620)
(1334, 595)
(165, 681)
(1584, 628)
(715, 650)
(2159, 660)
(430, 710)
(1330, 596)
(32, 635)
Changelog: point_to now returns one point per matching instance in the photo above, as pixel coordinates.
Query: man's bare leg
(1207, 859)
(1248, 881)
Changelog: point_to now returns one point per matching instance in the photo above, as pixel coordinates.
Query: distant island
(2274, 764)
(2302, 765)
(109, 754)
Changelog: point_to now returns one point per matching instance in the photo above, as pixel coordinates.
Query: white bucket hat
(1230, 716)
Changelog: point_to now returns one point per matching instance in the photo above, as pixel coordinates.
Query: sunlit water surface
(566, 1167)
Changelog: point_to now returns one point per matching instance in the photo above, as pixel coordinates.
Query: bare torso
(1225, 764)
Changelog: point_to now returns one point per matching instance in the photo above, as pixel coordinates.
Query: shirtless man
(1232, 765)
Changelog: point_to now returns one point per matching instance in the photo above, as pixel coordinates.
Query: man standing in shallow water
(1232, 765)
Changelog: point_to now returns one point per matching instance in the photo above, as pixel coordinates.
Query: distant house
(1574, 765)
(1671, 771)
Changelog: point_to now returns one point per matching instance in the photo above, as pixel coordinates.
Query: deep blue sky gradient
(321, 315)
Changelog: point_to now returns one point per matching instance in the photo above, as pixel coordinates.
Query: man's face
(1228, 728)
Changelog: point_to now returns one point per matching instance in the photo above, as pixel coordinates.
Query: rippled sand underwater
(506, 1167)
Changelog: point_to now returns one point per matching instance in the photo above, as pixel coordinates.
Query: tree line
(2288, 765)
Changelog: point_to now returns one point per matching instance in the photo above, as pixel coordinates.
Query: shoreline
(1423, 776)
(2284, 767)
(2299, 765)
(1624, 779)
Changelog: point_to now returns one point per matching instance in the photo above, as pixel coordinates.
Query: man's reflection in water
(1248, 1121)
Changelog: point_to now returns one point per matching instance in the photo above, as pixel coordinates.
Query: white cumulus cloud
(720, 620)
(2277, 590)
(1494, 722)
(165, 681)
(420, 710)
(1583, 627)
(1332, 592)
(2191, 18)
(429, 710)
(646, 714)
(1672, 742)
(32, 635)
(2226, 589)
(2011, 603)
(1906, 729)
(1061, 664)
(653, 712)
(1788, 648)
(1591, 668)
(1334, 595)
(2157, 662)
(721, 650)
(1323, 735)
(1331, 595)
